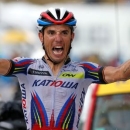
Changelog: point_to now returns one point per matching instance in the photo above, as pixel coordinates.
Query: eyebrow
(60, 31)
(57, 31)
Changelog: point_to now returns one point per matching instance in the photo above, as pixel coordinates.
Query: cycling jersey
(53, 102)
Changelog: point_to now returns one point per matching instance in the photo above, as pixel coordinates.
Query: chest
(64, 82)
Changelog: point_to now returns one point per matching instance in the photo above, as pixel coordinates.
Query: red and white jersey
(53, 102)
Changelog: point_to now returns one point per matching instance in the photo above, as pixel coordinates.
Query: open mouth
(57, 50)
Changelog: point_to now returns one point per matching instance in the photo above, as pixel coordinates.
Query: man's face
(57, 41)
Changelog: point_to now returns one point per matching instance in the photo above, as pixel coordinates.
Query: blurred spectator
(11, 116)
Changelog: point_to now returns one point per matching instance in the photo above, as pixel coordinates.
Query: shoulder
(85, 64)
(26, 61)
(18, 59)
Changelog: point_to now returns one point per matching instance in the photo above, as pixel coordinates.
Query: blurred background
(102, 34)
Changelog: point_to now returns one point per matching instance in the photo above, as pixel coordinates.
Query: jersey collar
(66, 62)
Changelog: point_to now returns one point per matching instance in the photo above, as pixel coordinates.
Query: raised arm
(120, 73)
(5, 66)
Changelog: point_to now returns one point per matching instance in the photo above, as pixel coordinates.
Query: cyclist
(53, 88)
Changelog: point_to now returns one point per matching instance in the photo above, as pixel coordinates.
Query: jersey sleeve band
(101, 76)
(11, 69)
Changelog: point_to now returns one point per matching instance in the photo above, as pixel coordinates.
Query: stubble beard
(55, 62)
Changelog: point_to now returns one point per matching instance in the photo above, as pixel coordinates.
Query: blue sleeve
(93, 71)
(19, 66)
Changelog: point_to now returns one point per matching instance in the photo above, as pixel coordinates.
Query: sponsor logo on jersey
(81, 105)
(24, 103)
(37, 72)
(57, 83)
(71, 75)
(41, 66)
(67, 75)
(70, 67)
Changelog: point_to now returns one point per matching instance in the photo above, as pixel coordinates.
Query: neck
(54, 67)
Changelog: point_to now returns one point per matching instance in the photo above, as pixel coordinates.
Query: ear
(72, 36)
(40, 36)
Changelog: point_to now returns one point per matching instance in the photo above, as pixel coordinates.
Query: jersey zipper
(52, 120)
